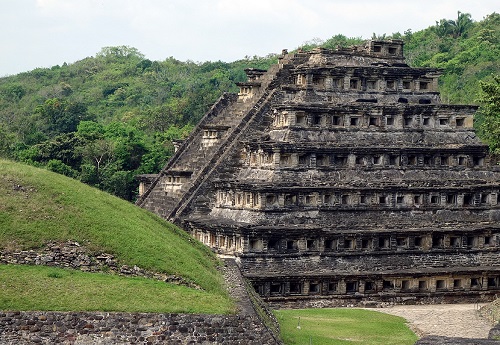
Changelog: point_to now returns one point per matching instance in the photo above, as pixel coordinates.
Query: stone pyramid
(338, 177)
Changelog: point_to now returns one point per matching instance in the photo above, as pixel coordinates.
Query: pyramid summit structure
(338, 177)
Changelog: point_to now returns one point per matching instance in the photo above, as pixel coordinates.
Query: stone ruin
(338, 177)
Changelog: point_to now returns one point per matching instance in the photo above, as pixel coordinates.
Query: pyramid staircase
(197, 161)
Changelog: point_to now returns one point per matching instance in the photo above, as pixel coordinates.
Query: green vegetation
(49, 288)
(337, 41)
(104, 119)
(37, 206)
(342, 327)
(489, 115)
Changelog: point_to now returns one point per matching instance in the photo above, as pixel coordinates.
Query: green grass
(37, 206)
(342, 327)
(48, 288)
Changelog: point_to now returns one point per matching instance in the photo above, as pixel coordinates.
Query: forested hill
(107, 118)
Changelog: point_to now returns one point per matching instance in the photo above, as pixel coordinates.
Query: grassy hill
(37, 206)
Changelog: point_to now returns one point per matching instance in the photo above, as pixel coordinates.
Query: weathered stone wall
(376, 301)
(126, 328)
(288, 265)
(71, 254)
(495, 332)
(454, 341)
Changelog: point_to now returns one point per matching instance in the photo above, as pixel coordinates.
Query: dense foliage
(467, 51)
(107, 118)
(489, 114)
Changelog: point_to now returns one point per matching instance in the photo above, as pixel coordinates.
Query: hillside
(107, 118)
(38, 206)
(104, 119)
(467, 51)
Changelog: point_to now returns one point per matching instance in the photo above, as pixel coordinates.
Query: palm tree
(455, 28)
(443, 27)
(461, 25)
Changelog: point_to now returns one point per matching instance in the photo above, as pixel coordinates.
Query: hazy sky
(43, 33)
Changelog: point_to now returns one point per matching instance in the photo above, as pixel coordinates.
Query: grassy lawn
(342, 327)
(48, 288)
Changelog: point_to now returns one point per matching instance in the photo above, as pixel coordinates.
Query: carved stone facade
(338, 176)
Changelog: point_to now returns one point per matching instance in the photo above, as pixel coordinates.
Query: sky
(44, 33)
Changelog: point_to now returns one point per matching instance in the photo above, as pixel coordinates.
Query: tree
(99, 153)
(455, 28)
(379, 37)
(160, 118)
(489, 113)
(443, 28)
(120, 52)
(120, 183)
(90, 130)
(341, 41)
(61, 148)
(13, 92)
(60, 168)
(6, 140)
(461, 25)
(57, 116)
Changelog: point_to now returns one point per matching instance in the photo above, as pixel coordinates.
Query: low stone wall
(127, 328)
(377, 301)
(454, 341)
(495, 332)
(71, 254)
